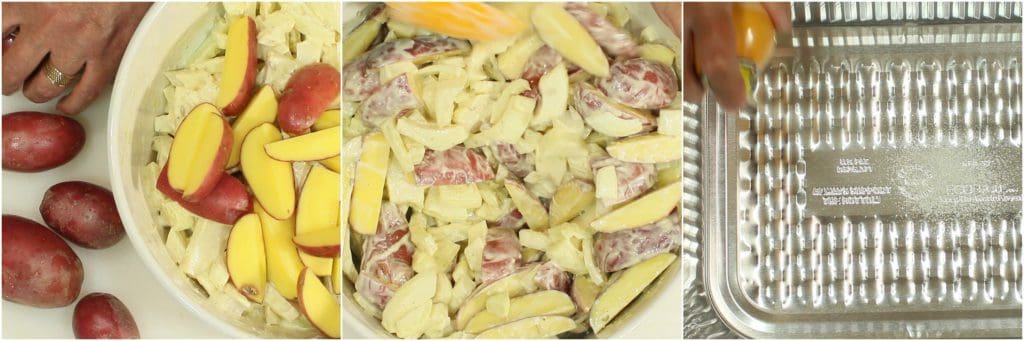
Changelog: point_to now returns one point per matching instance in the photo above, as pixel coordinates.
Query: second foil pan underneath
(874, 190)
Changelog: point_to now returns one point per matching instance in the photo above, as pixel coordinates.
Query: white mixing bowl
(169, 33)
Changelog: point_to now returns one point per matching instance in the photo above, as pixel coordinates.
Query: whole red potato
(83, 213)
(103, 316)
(36, 141)
(40, 269)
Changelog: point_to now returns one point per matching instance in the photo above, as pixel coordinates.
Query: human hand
(709, 39)
(83, 39)
(671, 14)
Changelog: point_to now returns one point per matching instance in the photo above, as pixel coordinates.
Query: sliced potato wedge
(539, 327)
(621, 292)
(645, 210)
(547, 302)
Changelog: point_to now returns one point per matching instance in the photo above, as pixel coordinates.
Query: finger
(780, 13)
(39, 89)
(11, 17)
(714, 42)
(21, 60)
(95, 77)
(693, 91)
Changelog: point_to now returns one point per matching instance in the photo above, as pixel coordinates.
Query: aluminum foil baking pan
(874, 190)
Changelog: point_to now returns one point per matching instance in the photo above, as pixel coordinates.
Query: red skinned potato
(455, 166)
(40, 269)
(307, 94)
(199, 153)
(103, 316)
(228, 201)
(36, 141)
(389, 101)
(239, 74)
(614, 40)
(83, 213)
(641, 83)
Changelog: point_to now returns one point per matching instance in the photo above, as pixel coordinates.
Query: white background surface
(115, 270)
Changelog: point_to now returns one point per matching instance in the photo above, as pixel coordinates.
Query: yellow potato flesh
(318, 210)
(328, 119)
(650, 148)
(562, 32)
(645, 210)
(332, 163)
(368, 189)
(547, 302)
(319, 305)
(530, 328)
(236, 61)
(570, 199)
(247, 259)
(271, 180)
(261, 109)
(195, 147)
(317, 145)
(620, 293)
(515, 284)
(283, 264)
(336, 276)
(531, 208)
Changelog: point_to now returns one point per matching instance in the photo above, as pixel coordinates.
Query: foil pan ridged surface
(874, 190)
(882, 180)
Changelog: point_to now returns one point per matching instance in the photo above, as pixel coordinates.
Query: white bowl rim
(118, 186)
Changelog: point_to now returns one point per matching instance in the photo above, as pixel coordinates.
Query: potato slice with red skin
(360, 39)
(633, 178)
(456, 166)
(362, 76)
(619, 293)
(517, 163)
(501, 254)
(320, 306)
(239, 75)
(641, 83)
(83, 213)
(103, 316)
(320, 243)
(608, 117)
(199, 152)
(387, 258)
(228, 201)
(317, 210)
(560, 30)
(39, 268)
(613, 40)
(308, 93)
(246, 258)
(35, 141)
(621, 249)
(389, 101)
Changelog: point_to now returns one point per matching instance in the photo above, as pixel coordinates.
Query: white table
(115, 270)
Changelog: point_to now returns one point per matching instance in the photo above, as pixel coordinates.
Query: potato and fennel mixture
(526, 187)
(289, 36)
